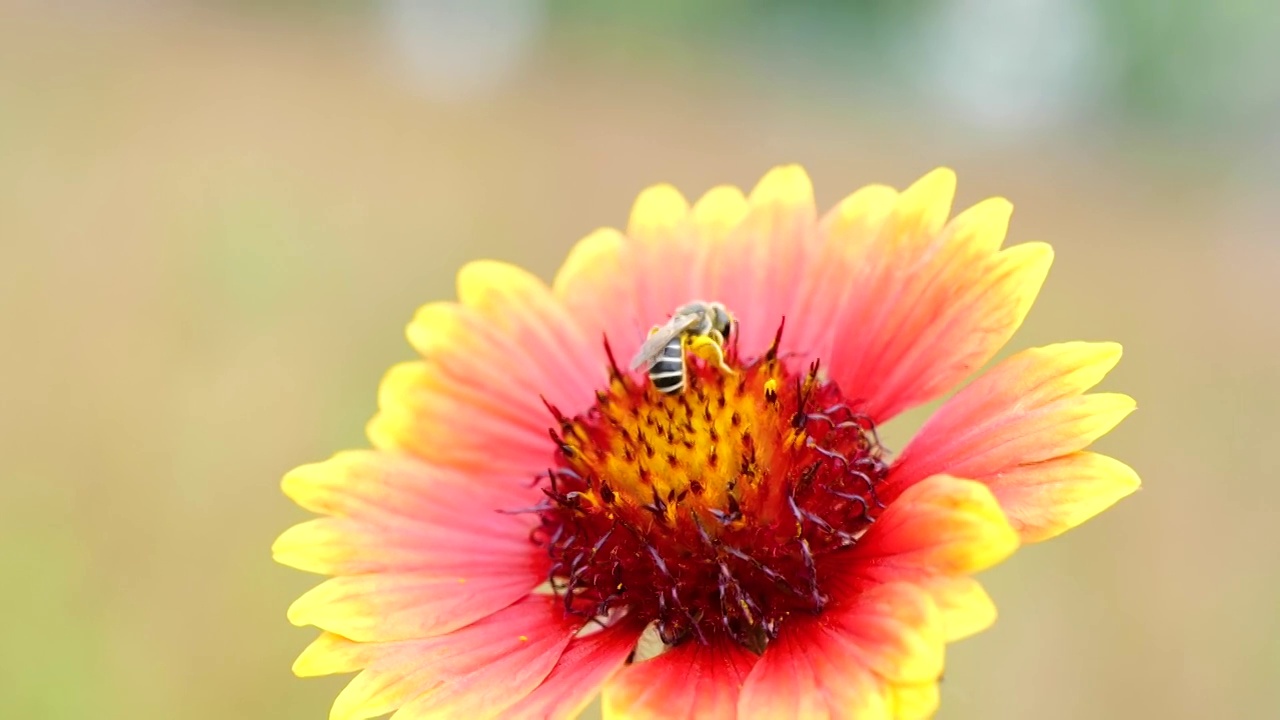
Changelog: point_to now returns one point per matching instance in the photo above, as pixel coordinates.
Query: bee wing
(659, 338)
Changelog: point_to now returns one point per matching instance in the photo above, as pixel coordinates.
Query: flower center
(710, 510)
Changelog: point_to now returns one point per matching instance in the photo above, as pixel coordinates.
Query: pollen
(709, 511)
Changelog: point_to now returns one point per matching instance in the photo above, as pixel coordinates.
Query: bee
(701, 327)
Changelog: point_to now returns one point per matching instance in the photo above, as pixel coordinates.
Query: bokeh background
(216, 217)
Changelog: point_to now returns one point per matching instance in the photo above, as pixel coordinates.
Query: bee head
(721, 320)
(711, 316)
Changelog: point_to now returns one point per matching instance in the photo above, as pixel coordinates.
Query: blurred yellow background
(216, 218)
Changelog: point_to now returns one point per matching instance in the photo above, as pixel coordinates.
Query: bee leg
(708, 349)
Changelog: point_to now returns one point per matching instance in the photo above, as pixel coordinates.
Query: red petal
(583, 669)
(690, 681)
(850, 661)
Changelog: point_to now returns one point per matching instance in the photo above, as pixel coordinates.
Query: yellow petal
(1047, 498)
(657, 211)
(914, 702)
(966, 607)
(331, 654)
(785, 185)
(923, 208)
(718, 212)
(983, 226)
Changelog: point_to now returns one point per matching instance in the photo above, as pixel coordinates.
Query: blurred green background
(215, 219)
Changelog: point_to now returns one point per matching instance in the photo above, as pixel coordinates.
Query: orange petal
(451, 527)
(963, 604)
(662, 246)
(586, 665)
(477, 671)
(931, 537)
(954, 332)
(756, 268)
(594, 283)
(412, 605)
(1026, 410)
(1047, 498)
(341, 546)
(621, 286)
(825, 287)
(426, 410)
(687, 682)
(747, 253)
(944, 525)
(390, 487)
(918, 305)
(474, 402)
(522, 307)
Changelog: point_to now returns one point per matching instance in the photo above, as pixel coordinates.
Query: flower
(534, 518)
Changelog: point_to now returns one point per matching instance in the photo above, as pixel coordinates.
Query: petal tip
(1117, 405)
(1039, 249)
(658, 205)
(599, 251)
(1101, 351)
(431, 326)
(998, 205)
(1034, 260)
(720, 201)
(322, 657)
(297, 612)
(787, 184)
(1066, 493)
(938, 181)
(290, 548)
(478, 277)
(298, 482)
(1124, 480)
(922, 209)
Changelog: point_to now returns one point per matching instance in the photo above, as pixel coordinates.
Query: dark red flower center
(711, 510)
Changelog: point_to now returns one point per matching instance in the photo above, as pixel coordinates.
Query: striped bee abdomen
(667, 371)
